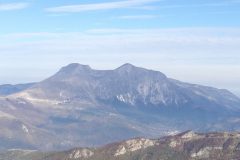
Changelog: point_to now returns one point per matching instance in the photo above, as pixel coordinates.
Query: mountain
(8, 89)
(128, 85)
(184, 146)
(81, 106)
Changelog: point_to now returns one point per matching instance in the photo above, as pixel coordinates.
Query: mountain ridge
(74, 73)
(7, 89)
(82, 106)
(187, 145)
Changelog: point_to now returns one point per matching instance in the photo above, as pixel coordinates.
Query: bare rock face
(180, 139)
(134, 145)
(81, 153)
(206, 146)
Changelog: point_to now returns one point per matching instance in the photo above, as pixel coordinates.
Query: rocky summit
(81, 106)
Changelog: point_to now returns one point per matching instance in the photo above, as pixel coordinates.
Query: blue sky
(194, 41)
(76, 15)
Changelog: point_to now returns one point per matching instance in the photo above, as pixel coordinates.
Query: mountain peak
(75, 67)
(78, 66)
(126, 67)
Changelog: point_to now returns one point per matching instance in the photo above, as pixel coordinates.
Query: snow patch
(126, 98)
(21, 102)
(25, 129)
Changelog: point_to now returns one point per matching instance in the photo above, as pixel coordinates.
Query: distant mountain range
(80, 106)
(8, 89)
(183, 146)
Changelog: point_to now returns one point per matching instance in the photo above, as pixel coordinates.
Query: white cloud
(193, 42)
(138, 17)
(200, 4)
(12, 6)
(100, 6)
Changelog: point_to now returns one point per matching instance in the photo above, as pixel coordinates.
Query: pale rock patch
(134, 145)
(81, 153)
(205, 152)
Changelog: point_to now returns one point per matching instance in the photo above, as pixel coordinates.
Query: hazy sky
(196, 41)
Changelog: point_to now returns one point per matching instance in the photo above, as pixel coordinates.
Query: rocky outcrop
(184, 146)
(134, 145)
(81, 153)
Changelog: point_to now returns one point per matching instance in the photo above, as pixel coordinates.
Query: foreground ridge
(184, 146)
